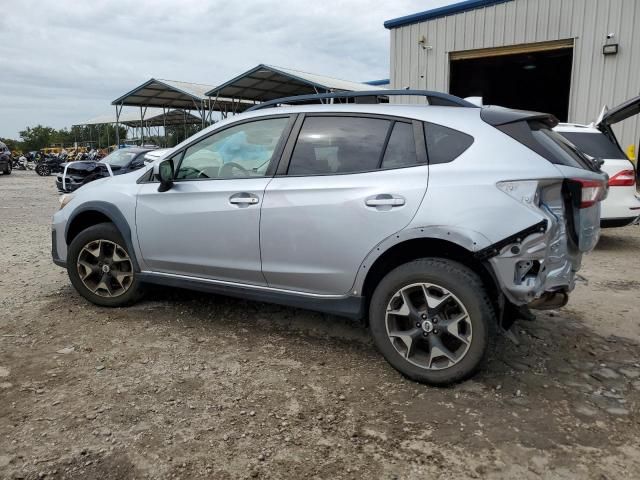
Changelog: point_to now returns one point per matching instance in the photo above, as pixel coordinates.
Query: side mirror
(163, 172)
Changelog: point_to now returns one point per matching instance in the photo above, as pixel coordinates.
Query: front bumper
(54, 250)
(71, 184)
(58, 238)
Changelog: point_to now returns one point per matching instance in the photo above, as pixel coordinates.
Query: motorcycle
(24, 163)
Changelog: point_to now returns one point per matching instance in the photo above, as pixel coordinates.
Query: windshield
(119, 158)
(595, 144)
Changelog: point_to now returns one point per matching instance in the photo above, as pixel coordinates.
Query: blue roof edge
(440, 12)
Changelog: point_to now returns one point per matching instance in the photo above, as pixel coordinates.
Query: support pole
(118, 111)
(141, 127)
(164, 126)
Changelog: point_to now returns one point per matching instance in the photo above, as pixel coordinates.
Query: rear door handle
(385, 200)
(243, 199)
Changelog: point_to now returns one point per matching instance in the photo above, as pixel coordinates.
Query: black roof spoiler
(501, 116)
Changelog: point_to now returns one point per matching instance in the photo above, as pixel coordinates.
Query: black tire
(109, 233)
(468, 289)
(7, 169)
(43, 170)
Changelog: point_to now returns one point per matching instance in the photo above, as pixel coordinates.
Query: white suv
(622, 206)
(436, 224)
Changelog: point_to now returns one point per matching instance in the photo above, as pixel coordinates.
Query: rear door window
(329, 145)
(595, 144)
(444, 144)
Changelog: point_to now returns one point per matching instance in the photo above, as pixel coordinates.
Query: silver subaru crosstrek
(438, 224)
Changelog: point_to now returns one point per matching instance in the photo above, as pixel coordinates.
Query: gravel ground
(185, 385)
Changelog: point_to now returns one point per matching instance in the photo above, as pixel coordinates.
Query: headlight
(64, 199)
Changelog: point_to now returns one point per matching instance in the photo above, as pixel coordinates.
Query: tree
(12, 144)
(107, 134)
(178, 133)
(37, 137)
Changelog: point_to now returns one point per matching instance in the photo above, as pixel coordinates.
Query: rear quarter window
(444, 144)
(547, 143)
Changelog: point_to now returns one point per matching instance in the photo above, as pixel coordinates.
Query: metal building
(567, 57)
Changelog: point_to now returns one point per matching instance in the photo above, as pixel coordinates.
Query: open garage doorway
(529, 77)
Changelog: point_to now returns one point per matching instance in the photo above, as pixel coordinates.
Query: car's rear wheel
(101, 268)
(433, 321)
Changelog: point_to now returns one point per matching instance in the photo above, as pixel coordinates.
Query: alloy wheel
(428, 326)
(104, 267)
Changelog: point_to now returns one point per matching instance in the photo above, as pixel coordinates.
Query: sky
(64, 61)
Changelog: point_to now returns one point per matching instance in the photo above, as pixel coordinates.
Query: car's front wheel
(433, 321)
(101, 268)
(7, 169)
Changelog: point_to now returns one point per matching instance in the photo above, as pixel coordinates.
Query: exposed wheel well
(83, 221)
(427, 247)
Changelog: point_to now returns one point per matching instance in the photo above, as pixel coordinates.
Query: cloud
(65, 61)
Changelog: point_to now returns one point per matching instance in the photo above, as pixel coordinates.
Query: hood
(619, 113)
(126, 178)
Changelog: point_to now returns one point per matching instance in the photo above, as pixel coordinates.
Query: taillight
(625, 178)
(591, 191)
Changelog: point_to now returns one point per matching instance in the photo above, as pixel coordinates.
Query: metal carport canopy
(174, 94)
(171, 94)
(153, 118)
(268, 82)
(170, 118)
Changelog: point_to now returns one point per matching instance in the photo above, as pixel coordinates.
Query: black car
(5, 159)
(118, 162)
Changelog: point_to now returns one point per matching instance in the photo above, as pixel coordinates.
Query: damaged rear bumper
(536, 266)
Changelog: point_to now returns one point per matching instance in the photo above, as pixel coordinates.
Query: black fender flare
(116, 217)
(468, 239)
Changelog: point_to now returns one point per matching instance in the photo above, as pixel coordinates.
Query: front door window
(242, 151)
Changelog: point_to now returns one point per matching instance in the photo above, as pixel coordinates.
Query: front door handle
(243, 199)
(385, 201)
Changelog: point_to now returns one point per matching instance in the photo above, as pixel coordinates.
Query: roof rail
(434, 98)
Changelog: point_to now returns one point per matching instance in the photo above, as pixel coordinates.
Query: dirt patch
(620, 285)
(185, 385)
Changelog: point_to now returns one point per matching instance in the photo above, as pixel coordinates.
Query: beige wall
(597, 79)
